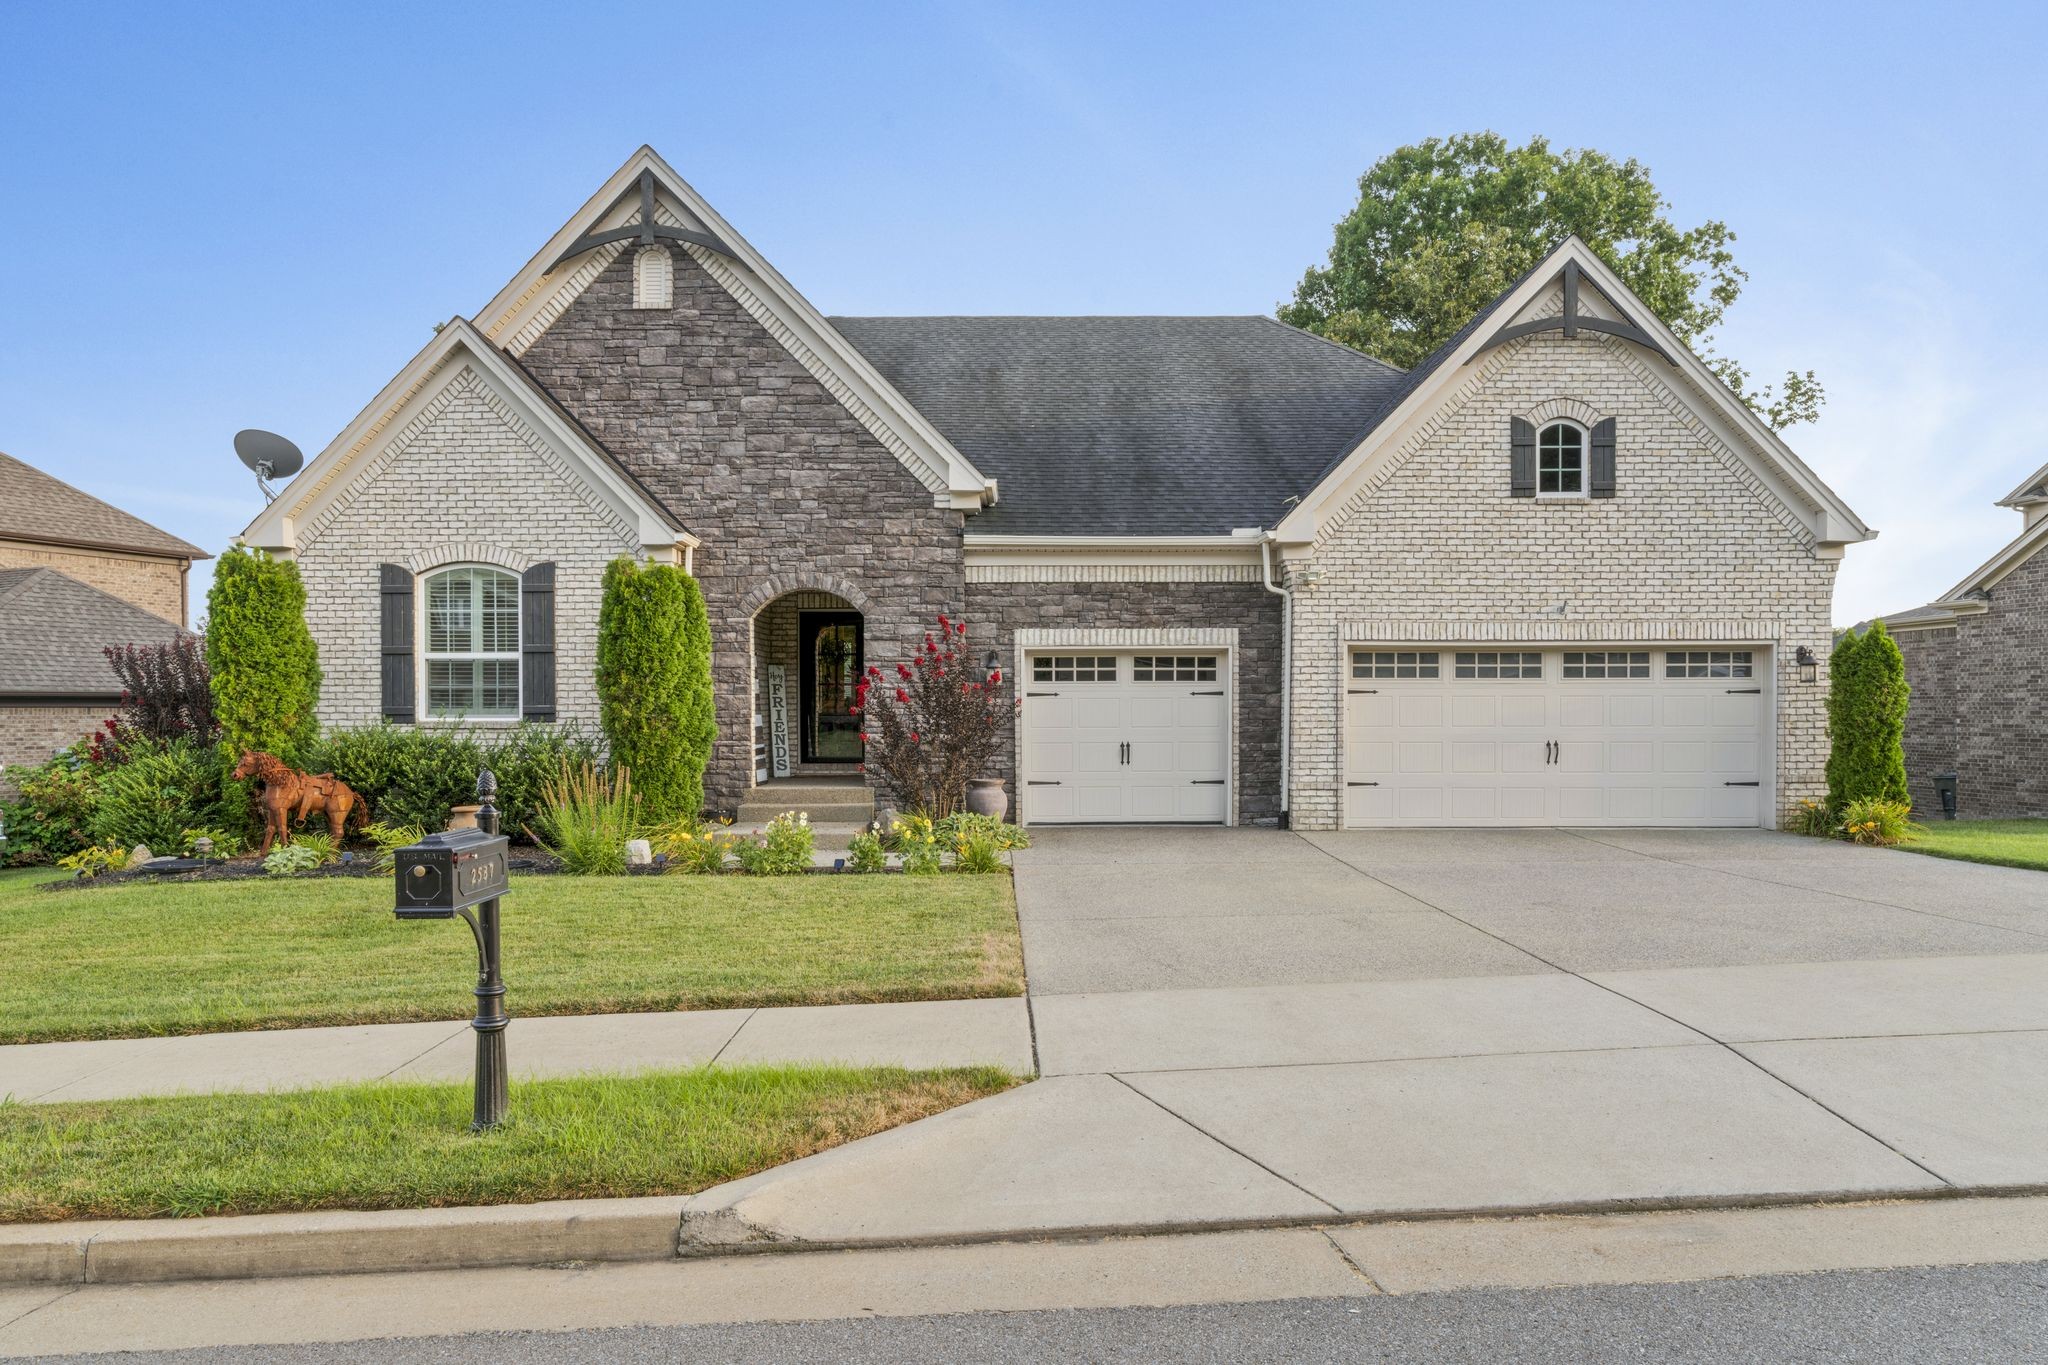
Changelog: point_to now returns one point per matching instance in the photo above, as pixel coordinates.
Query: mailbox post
(450, 874)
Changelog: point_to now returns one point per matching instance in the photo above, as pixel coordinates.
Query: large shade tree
(1443, 226)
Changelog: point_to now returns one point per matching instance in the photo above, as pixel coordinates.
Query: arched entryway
(808, 648)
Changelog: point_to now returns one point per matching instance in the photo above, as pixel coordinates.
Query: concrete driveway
(1251, 1025)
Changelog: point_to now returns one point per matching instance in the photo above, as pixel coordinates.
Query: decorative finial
(486, 786)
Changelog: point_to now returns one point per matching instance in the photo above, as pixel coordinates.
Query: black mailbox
(444, 873)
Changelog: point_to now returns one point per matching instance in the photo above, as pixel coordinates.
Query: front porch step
(753, 815)
(826, 801)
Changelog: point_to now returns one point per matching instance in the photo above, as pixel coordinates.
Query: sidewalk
(926, 1033)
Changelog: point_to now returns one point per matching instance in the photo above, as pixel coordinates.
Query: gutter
(1286, 596)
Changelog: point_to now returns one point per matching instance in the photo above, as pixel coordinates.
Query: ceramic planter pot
(985, 796)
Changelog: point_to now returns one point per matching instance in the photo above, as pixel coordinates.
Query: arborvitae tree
(264, 666)
(1867, 698)
(654, 684)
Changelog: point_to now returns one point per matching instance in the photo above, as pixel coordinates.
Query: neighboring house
(76, 576)
(1556, 574)
(1977, 661)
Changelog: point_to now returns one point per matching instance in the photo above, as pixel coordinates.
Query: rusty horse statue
(287, 796)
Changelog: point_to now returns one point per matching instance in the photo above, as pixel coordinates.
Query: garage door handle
(1217, 693)
(1206, 782)
(1361, 784)
(1742, 784)
(1041, 694)
(1035, 783)
(1363, 691)
(1745, 691)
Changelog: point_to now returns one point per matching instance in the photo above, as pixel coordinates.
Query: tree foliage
(1442, 227)
(1867, 697)
(934, 722)
(654, 684)
(265, 667)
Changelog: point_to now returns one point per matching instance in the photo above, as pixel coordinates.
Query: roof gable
(1433, 382)
(458, 346)
(549, 282)
(39, 507)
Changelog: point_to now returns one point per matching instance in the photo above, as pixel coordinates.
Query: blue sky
(226, 216)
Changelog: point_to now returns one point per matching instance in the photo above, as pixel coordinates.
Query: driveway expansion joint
(1234, 1151)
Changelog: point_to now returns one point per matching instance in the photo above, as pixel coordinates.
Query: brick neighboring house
(1977, 661)
(1556, 574)
(76, 575)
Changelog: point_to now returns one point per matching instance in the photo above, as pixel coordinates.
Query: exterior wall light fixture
(1809, 667)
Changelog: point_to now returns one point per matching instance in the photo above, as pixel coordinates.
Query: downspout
(1286, 596)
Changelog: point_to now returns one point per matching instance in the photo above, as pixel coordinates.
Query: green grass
(135, 959)
(2008, 843)
(383, 1145)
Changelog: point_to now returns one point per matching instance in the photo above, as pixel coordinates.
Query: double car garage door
(1551, 736)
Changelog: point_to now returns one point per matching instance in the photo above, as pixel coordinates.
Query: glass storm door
(831, 646)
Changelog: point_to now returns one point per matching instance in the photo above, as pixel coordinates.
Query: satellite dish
(269, 455)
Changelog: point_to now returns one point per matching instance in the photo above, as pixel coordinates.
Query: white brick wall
(465, 480)
(1691, 546)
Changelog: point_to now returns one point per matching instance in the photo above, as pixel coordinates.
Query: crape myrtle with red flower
(932, 723)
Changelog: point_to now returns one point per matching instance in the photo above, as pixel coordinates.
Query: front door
(831, 651)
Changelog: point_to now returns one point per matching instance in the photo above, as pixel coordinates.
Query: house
(1554, 575)
(76, 576)
(1977, 661)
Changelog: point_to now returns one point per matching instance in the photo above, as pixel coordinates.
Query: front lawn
(385, 1146)
(136, 959)
(2008, 843)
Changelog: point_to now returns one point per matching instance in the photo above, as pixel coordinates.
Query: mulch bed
(525, 858)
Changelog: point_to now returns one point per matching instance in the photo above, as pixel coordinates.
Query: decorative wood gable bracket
(1571, 321)
(647, 231)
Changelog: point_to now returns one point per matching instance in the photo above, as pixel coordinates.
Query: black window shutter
(1602, 482)
(396, 641)
(537, 643)
(1521, 458)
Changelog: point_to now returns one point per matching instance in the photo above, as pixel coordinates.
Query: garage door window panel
(1493, 665)
(1590, 664)
(1709, 663)
(1168, 668)
(1367, 663)
(1074, 668)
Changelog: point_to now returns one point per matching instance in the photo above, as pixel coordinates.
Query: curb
(339, 1242)
(345, 1242)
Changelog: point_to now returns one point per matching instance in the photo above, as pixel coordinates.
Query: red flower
(902, 670)
(942, 672)
(903, 696)
(913, 737)
(874, 670)
(960, 628)
(930, 647)
(863, 736)
(944, 624)
(995, 676)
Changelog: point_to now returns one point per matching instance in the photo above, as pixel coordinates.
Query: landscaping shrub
(414, 776)
(702, 851)
(864, 853)
(1878, 822)
(585, 818)
(226, 843)
(388, 839)
(265, 667)
(935, 724)
(91, 861)
(158, 792)
(166, 690)
(1867, 698)
(917, 841)
(785, 848)
(51, 818)
(964, 824)
(977, 851)
(1812, 818)
(654, 683)
(298, 856)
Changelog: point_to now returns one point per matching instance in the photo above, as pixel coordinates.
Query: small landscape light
(839, 864)
(1809, 667)
(202, 847)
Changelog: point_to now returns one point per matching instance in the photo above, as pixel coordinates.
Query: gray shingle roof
(1131, 425)
(37, 507)
(52, 629)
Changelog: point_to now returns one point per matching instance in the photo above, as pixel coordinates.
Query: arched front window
(472, 644)
(1561, 461)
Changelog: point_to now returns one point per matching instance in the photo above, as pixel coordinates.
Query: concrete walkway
(1246, 1026)
(918, 1034)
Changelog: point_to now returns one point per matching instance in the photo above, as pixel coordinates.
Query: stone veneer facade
(1691, 547)
(1977, 708)
(789, 492)
(465, 482)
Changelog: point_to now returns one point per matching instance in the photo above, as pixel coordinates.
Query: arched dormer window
(1561, 461)
(472, 644)
(653, 278)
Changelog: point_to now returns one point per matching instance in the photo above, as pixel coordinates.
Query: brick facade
(1690, 547)
(787, 489)
(996, 611)
(30, 734)
(1976, 708)
(466, 481)
(154, 584)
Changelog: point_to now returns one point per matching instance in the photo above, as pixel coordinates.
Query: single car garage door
(1554, 736)
(1112, 737)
